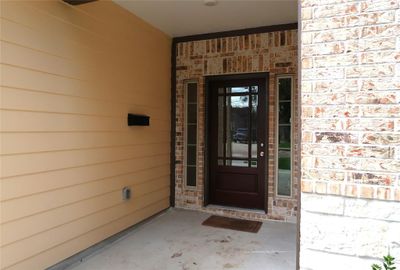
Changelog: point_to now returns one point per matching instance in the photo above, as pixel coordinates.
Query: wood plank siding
(69, 77)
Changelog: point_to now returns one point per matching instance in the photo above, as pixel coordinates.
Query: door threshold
(232, 208)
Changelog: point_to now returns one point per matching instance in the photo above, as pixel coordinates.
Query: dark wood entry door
(237, 142)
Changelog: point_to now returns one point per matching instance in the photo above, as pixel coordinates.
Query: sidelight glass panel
(237, 131)
(285, 88)
(192, 113)
(191, 133)
(284, 130)
(284, 137)
(284, 172)
(191, 175)
(284, 112)
(191, 155)
(192, 93)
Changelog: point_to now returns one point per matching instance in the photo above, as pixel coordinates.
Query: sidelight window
(191, 133)
(284, 135)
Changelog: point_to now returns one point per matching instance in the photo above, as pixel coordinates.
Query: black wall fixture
(138, 120)
(78, 2)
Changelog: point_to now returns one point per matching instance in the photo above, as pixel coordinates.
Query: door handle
(261, 153)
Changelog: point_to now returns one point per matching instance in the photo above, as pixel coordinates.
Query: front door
(237, 142)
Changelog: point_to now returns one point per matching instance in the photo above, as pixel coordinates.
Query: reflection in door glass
(237, 132)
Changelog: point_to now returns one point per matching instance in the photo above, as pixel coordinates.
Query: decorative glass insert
(191, 133)
(237, 126)
(284, 132)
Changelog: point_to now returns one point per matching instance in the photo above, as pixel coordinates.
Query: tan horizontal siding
(20, 99)
(41, 202)
(25, 35)
(15, 55)
(40, 222)
(21, 143)
(85, 225)
(21, 12)
(57, 253)
(19, 186)
(27, 121)
(60, 234)
(15, 165)
(69, 77)
(54, 84)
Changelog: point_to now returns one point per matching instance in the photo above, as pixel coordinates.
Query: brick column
(350, 182)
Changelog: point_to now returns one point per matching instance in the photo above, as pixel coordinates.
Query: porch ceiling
(191, 17)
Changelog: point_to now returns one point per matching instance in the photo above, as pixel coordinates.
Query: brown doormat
(233, 224)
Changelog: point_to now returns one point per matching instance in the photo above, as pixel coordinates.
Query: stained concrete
(176, 240)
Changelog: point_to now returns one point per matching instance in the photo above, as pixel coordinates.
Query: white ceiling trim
(192, 17)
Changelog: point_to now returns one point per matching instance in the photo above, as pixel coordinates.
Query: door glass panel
(254, 163)
(237, 126)
(254, 106)
(237, 163)
(235, 90)
(220, 126)
(237, 132)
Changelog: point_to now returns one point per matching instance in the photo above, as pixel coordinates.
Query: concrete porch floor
(176, 240)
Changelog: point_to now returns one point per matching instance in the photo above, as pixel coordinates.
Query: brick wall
(274, 52)
(350, 55)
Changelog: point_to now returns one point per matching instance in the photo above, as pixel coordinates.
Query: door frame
(207, 81)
